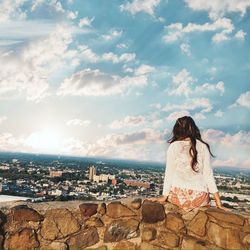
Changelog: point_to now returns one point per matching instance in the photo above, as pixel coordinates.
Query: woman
(188, 177)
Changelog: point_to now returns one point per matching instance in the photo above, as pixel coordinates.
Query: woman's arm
(217, 199)
(209, 177)
(208, 172)
(168, 177)
(170, 169)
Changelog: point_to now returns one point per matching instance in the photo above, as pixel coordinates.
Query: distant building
(114, 182)
(136, 183)
(56, 192)
(92, 173)
(97, 178)
(103, 177)
(53, 173)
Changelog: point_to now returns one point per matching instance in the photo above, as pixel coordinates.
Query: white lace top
(179, 172)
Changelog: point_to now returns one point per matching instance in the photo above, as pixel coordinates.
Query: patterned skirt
(188, 199)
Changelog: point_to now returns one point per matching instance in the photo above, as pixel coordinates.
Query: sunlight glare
(46, 140)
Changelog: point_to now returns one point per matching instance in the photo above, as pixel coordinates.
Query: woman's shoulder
(174, 145)
(185, 142)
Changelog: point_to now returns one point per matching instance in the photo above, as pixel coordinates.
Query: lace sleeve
(208, 172)
(169, 172)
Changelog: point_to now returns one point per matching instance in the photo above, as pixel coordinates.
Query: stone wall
(135, 224)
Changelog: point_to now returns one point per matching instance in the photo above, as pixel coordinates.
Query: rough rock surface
(166, 238)
(226, 217)
(148, 234)
(120, 225)
(54, 245)
(224, 237)
(121, 229)
(25, 239)
(24, 213)
(94, 221)
(193, 244)
(136, 203)
(118, 210)
(59, 223)
(1, 241)
(102, 209)
(85, 238)
(125, 245)
(198, 224)
(88, 209)
(174, 222)
(152, 212)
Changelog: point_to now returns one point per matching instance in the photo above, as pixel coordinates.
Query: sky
(110, 78)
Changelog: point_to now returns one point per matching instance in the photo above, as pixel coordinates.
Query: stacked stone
(116, 225)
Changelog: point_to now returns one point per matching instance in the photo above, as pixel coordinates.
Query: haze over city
(88, 78)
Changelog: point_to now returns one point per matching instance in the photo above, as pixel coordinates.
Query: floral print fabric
(188, 199)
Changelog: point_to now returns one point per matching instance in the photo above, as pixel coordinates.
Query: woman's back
(184, 176)
(189, 177)
(187, 187)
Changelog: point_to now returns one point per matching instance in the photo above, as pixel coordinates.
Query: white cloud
(96, 83)
(86, 21)
(78, 122)
(244, 99)
(52, 4)
(241, 138)
(176, 31)
(144, 69)
(127, 69)
(72, 15)
(211, 87)
(185, 48)
(111, 143)
(53, 7)
(126, 57)
(28, 71)
(155, 105)
(199, 116)
(218, 8)
(240, 35)
(12, 9)
(74, 146)
(112, 35)
(231, 162)
(212, 135)
(246, 163)
(135, 6)
(87, 54)
(122, 46)
(128, 121)
(177, 114)
(220, 37)
(193, 104)
(213, 70)
(219, 113)
(2, 119)
(181, 83)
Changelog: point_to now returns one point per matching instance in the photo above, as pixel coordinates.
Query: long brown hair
(185, 127)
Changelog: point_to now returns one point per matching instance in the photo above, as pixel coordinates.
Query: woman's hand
(218, 202)
(223, 208)
(161, 199)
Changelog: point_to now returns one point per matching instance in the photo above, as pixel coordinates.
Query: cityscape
(60, 178)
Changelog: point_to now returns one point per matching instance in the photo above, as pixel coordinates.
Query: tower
(92, 172)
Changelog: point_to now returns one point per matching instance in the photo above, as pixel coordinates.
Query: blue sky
(109, 78)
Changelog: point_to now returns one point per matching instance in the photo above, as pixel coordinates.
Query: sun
(48, 140)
